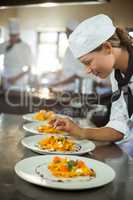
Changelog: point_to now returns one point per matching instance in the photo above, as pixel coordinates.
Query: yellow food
(66, 168)
(48, 129)
(57, 143)
(44, 115)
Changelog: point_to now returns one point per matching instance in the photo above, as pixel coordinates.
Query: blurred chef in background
(72, 75)
(18, 59)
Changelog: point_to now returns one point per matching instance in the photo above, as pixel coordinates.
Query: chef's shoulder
(24, 45)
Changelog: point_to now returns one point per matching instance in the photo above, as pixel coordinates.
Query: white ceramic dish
(32, 128)
(29, 117)
(35, 170)
(83, 146)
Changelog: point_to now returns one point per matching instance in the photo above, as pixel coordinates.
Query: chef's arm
(102, 134)
(12, 80)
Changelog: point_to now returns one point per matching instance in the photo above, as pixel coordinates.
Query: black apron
(123, 83)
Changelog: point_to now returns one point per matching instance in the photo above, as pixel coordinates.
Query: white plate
(35, 170)
(29, 117)
(31, 142)
(32, 128)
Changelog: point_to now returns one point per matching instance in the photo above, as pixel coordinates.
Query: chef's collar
(123, 81)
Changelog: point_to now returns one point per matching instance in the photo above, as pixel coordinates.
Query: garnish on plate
(48, 129)
(58, 143)
(67, 168)
(44, 115)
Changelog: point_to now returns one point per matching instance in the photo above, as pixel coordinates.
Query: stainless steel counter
(13, 188)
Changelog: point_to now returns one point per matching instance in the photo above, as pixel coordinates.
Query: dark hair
(120, 39)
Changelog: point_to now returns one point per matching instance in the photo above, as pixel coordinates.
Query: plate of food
(41, 115)
(57, 144)
(64, 172)
(42, 128)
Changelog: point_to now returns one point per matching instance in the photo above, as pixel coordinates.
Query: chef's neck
(122, 57)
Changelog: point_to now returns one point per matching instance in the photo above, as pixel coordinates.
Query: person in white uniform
(18, 58)
(72, 69)
(105, 50)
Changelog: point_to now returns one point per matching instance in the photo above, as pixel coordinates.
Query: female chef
(105, 50)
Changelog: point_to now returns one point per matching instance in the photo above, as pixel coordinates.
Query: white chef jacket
(119, 119)
(14, 60)
(71, 66)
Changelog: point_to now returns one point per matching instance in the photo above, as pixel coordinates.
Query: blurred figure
(18, 58)
(72, 74)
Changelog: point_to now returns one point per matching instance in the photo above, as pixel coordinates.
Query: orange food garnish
(57, 143)
(44, 115)
(48, 129)
(66, 168)
(56, 159)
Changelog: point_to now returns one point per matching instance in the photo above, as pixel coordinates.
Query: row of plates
(35, 169)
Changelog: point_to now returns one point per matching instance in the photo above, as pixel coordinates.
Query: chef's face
(99, 62)
(14, 38)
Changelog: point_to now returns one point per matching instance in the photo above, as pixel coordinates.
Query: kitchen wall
(119, 10)
(35, 17)
(5, 14)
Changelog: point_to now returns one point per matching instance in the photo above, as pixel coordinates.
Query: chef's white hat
(90, 34)
(13, 26)
(72, 25)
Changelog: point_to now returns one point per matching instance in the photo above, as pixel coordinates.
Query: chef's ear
(107, 47)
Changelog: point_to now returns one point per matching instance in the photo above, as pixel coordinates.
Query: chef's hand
(65, 124)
